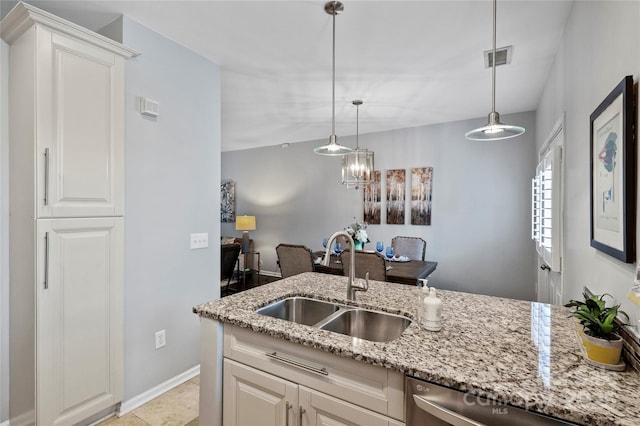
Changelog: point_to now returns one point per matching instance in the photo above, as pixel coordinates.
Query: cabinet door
(80, 133)
(79, 328)
(253, 397)
(319, 409)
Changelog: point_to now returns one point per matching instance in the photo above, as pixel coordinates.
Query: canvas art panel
(421, 195)
(227, 201)
(373, 200)
(396, 184)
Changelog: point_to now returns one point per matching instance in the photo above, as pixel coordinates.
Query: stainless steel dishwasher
(428, 404)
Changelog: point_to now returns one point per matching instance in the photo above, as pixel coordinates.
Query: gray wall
(600, 46)
(172, 175)
(480, 231)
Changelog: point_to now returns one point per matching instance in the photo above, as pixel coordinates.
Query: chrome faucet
(352, 286)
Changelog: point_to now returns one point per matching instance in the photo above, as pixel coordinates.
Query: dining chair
(228, 257)
(412, 247)
(294, 259)
(366, 261)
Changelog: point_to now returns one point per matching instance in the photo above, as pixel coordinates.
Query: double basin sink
(349, 320)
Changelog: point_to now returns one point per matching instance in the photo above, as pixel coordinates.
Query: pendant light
(333, 8)
(357, 166)
(494, 130)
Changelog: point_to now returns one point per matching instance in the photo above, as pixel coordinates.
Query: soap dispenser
(432, 311)
(422, 292)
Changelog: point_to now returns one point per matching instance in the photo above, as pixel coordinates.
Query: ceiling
(413, 63)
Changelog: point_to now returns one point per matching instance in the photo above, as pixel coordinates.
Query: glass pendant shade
(357, 168)
(332, 148)
(494, 130)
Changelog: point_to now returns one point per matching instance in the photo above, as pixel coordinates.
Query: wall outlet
(199, 241)
(161, 339)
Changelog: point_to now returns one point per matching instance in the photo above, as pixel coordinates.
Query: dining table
(408, 272)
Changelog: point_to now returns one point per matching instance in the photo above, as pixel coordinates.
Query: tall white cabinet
(66, 178)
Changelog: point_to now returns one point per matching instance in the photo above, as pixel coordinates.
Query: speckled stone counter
(523, 353)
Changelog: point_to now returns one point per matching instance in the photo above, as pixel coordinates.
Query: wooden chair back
(366, 261)
(294, 259)
(412, 247)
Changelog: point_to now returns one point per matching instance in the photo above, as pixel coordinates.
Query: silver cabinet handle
(46, 176)
(298, 364)
(288, 407)
(443, 414)
(301, 413)
(46, 260)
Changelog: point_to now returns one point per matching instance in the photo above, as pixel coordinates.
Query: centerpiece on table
(358, 231)
(599, 335)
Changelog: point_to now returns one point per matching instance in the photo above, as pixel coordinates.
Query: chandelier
(357, 166)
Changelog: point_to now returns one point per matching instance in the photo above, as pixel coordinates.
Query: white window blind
(545, 208)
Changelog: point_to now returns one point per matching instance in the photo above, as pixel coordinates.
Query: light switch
(199, 241)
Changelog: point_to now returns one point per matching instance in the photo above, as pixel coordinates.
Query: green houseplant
(599, 328)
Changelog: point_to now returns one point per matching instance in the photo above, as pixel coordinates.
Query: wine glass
(337, 249)
(389, 254)
(379, 246)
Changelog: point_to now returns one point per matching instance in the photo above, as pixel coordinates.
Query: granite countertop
(523, 353)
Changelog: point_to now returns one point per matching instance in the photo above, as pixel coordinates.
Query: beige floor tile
(128, 419)
(196, 380)
(176, 407)
(194, 422)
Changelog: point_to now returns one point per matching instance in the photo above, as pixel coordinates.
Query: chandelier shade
(333, 8)
(494, 129)
(357, 166)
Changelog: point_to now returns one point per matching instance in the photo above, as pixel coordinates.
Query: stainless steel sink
(368, 325)
(352, 321)
(300, 310)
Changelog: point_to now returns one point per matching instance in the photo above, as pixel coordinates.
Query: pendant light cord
(493, 60)
(333, 79)
(357, 125)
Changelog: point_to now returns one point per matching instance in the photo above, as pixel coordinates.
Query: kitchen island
(522, 353)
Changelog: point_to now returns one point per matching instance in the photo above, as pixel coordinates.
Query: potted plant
(599, 328)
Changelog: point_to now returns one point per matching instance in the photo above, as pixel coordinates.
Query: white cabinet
(79, 127)
(253, 397)
(319, 409)
(265, 379)
(79, 318)
(66, 100)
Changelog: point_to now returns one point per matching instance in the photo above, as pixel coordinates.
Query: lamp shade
(245, 223)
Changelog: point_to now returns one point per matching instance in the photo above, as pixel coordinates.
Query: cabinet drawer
(376, 388)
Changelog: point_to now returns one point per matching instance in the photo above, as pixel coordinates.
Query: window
(545, 208)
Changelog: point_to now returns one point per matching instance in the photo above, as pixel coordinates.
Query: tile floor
(176, 407)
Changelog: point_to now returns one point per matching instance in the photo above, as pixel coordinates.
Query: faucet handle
(364, 286)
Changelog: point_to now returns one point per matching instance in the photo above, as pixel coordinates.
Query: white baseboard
(143, 398)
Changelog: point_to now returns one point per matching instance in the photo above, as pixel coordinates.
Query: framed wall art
(395, 196)
(372, 200)
(613, 164)
(421, 195)
(227, 201)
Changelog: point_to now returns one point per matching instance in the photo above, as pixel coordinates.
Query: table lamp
(245, 224)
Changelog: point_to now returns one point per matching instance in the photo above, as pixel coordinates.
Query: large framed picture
(613, 165)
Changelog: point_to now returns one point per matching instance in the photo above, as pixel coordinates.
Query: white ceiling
(412, 62)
